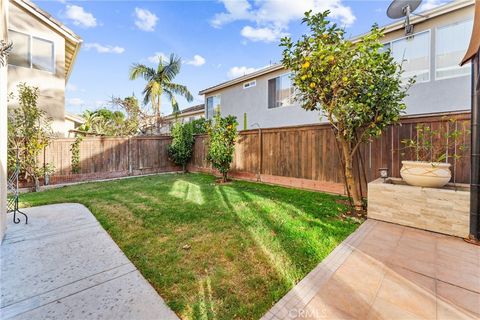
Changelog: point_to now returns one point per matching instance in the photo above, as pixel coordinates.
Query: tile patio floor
(64, 265)
(386, 271)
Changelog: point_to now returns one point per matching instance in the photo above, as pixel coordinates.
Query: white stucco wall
(433, 96)
(3, 125)
(51, 85)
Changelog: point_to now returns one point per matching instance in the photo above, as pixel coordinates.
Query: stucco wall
(3, 125)
(426, 97)
(51, 85)
(438, 95)
(235, 101)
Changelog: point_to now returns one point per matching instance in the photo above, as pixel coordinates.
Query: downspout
(475, 151)
(473, 55)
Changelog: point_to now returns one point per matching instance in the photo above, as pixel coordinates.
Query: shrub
(199, 126)
(29, 132)
(223, 134)
(181, 149)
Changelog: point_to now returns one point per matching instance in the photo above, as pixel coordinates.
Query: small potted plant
(430, 151)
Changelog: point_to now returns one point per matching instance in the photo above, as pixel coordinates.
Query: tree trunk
(224, 177)
(350, 177)
(184, 168)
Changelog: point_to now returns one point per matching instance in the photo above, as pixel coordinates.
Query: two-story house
(43, 56)
(432, 54)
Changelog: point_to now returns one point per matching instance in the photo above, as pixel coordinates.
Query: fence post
(129, 156)
(260, 154)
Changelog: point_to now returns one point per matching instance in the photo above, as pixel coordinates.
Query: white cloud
(71, 87)
(272, 17)
(236, 72)
(156, 57)
(104, 48)
(430, 4)
(145, 20)
(75, 102)
(80, 17)
(262, 34)
(197, 61)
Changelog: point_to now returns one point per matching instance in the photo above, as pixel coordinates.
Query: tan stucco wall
(51, 85)
(3, 125)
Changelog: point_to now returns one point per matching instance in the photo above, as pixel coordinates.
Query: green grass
(249, 242)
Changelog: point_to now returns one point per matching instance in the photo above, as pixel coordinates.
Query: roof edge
(426, 15)
(246, 77)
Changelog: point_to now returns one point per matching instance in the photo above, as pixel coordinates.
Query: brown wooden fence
(304, 156)
(108, 157)
(307, 156)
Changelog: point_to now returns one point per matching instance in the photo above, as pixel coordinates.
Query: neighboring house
(43, 55)
(185, 115)
(72, 122)
(432, 54)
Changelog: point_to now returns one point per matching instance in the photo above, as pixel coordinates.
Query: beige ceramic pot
(426, 174)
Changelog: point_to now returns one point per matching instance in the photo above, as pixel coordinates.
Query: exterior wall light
(383, 174)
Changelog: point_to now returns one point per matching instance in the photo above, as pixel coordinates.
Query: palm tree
(159, 82)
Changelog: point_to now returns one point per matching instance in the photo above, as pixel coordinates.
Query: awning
(474, 46)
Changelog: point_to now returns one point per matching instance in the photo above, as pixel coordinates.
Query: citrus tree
(223, 134)
(357, 86)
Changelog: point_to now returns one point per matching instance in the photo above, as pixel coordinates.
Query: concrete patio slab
(387, 271)
(64, 265)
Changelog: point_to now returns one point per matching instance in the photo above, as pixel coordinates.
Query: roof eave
(429, 14)
(243, 78)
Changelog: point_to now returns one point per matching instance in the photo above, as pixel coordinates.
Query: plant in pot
(429, 153)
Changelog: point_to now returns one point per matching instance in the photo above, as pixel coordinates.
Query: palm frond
(179, 89)
(171, 97)
(139, 70)
(171, 69)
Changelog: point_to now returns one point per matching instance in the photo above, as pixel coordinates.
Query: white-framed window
(413, 53)
(213, 105)
(280, 91)
(42, 54)
(249, 84)
(20, 54)
(31, 52)
(451, 42)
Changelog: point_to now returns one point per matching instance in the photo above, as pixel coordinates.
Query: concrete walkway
(386, 271)
(64, 265)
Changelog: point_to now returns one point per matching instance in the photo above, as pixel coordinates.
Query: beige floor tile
(461, 300)
(410, 292)
(459, 276)
(414, 261)
(385, 310)
(331, 308)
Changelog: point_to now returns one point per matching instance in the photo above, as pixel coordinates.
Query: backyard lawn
(213, 251)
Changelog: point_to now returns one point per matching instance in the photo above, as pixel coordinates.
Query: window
(280, 91)
(20, 55)
(31, 52)
(42, 54)
(451, 44)
(249, 84)
(413, 53)
(213, 105)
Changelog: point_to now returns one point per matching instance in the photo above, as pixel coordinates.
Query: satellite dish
(403, 8)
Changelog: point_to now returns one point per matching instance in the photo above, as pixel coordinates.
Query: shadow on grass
(250, 243)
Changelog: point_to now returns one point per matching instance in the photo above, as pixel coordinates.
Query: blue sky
(217, 40)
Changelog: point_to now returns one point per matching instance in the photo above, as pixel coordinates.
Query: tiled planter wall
(444, 210)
